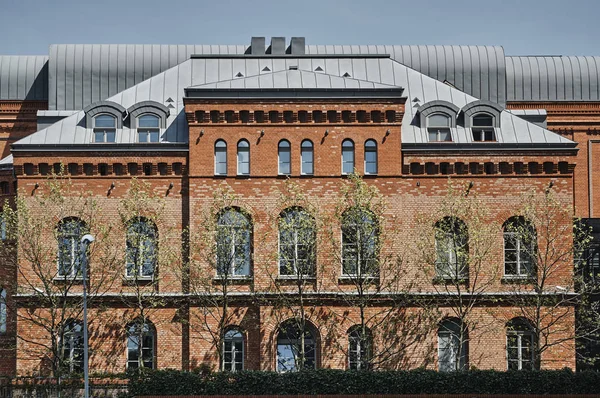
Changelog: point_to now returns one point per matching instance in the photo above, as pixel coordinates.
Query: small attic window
(317, 116)
(245, 116)
(229, 116)
(104, 128)
(259, 116)
(376, 116)
(303, 116)
(483, 127)
(438, 127)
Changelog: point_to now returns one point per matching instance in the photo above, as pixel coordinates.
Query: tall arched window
(360, 243)
(452, 345)
(452, 248)
(284, 155)
(3, 312)
(142, 248)
(220, 158)
(69, 233)
(360, 348)
(234, 239)
(438, 127)
(233, 351)
(243, 158)
(148, 128)
(296, 347)
(307, 157)
(71, 347)
(370, 157)
(520, 345)
(297, 240)
(105, 127)
(520, 248)
(347, 157)
(140, 345)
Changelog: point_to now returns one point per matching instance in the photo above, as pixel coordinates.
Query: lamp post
(86, 240)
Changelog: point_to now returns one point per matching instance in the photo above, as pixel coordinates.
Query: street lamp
(86, 240)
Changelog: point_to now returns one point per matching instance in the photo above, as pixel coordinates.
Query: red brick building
(191, 121)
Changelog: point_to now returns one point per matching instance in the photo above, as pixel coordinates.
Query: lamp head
(87, 239)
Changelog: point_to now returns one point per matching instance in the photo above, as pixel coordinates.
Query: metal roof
(81, 74)
(23, 77)
(553, 78)
(283, 73)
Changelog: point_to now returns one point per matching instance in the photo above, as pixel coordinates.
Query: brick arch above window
(152, 107)
(438, 106)
(481, 106)
(104, 107)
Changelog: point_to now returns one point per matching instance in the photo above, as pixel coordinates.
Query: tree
(541, 243)
(374, 279)
(42, 245)
(455, 241)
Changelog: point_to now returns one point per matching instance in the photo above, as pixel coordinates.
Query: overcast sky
(522, 27)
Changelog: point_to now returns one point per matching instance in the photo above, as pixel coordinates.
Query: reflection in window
(296, 349)
(347, 157)
(140, 346)
(148, 128)
(221, 158)
(71, 347)
(3, 319)
(519, 248)
(142, 243)
(360, 349)
(520, 345)
(105, 127)
(233, 351)
(452, 354)
(438, 127)
(370, 157)
(243, 158)
(284, 156)
(233, 244)
(297, 238)
(483, 127)
(451, 247)
(360, 243)
(70, 231)
(307, 156)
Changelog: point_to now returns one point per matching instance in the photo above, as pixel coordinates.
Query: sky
(522, 27)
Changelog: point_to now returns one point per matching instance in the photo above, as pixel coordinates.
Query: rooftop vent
(297, 46)
(257, 46)
(277, 45)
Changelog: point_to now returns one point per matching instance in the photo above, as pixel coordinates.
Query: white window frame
(69, 339)
(148, 130)
(451, 241)
(304, 150)
(295, 244)
(346, 150)
(74, 268)
(139, 267)
(239, 162)
(222, 150)
(3, 311)
(294, 342)
(483, 129)
(371, 149)
(359, 271)
(437, 129)
(522, 272)
(453, 336)
(284, 146)
(105, 130)
(521, 334)
(237, 337)
(234, 231)
(360, 352)
(150, 331)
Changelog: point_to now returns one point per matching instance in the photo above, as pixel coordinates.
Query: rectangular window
(307, 161)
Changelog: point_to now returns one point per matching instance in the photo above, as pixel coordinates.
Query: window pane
(153, 136)
(348, 161)
(99, 136)
(483, 120)
(445, 135)
(148, 121)
(110, 136)
(438, 120)
(142, 136)
(105, 121)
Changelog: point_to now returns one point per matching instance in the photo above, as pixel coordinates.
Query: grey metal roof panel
(24, 77)
(556, 78)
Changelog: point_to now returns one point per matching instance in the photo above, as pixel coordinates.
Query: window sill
(445, 280)
(140, 280)
(352, 279)
(69, 279)
(233, 279)
(296, 277)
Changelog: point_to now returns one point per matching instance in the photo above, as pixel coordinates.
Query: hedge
(326, 381)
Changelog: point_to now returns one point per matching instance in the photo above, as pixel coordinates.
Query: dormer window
(105, 127)
(483, 127)
(438, 127)
(148, 128)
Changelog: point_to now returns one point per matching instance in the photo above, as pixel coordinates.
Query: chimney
(297, 46)
(257, 46)
(277, 45)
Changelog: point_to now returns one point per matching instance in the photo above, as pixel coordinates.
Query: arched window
(452, 248)
(438, 127)
(140, 345)
(233, 351)
(142, 248)
(360, 348)
(69, 233)
(220, 158)
(370, 157)
(520, 345)
(520, 248)
(3, 312)
(452, 345)
(347, 157)
(148, 128)
(234, 239)
(243, 158)
(483, 127)
(105, 127)
(307, 157)
(71, 347)
(360, 243)
(297, 239)
(296, 347)
(284, 154)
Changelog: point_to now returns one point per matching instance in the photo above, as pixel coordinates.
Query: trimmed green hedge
(325, 381)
